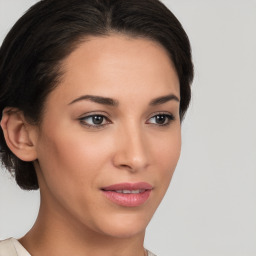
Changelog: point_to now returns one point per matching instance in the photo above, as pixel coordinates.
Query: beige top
(12, 247)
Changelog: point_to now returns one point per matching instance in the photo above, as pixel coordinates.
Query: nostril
(126, 166)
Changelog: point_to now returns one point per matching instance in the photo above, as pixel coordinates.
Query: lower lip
(129, 200)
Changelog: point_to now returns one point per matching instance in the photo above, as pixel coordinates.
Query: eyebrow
(164, 99)
(97, 99)
(115, 103)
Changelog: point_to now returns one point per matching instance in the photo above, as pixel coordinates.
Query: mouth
(128, 194)
(130, 191)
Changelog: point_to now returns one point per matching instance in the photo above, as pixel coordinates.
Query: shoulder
(7, 248)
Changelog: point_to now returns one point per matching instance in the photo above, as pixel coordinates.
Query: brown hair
(33, 50)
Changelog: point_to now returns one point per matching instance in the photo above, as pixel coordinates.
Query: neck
(59, 234)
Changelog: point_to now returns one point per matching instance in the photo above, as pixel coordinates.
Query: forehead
(118, 65)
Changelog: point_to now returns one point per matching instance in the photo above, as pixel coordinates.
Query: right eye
(94, 121)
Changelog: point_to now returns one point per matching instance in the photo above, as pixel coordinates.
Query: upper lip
(129, 186)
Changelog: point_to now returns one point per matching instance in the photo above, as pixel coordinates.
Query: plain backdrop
(210, 207)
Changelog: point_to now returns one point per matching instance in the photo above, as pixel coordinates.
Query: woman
(92, 97)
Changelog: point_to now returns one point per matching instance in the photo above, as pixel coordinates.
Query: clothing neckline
(21, 251)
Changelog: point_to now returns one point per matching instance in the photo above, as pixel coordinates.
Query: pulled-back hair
(32, 53)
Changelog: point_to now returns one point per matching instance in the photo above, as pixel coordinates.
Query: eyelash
(168, 116)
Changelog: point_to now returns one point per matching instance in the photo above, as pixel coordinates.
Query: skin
(74, 161)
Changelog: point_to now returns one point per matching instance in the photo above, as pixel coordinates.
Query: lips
(128, 194)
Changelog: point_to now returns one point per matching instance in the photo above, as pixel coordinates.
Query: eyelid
(94, 113)
(161, 113)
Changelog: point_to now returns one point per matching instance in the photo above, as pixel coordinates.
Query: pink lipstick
(128, 194)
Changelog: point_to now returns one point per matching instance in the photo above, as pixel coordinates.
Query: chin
(125, 232)
(125, 225)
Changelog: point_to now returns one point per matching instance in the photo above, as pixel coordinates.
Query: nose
(131, 151)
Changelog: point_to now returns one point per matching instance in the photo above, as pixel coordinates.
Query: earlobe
(18, 133)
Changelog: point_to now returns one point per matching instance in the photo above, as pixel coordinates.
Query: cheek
(166, 156)
(70, 170)
(73, 159)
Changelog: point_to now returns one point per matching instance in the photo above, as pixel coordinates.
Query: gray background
(210, 207)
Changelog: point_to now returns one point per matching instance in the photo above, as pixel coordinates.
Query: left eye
(94, 120)
(161, 119)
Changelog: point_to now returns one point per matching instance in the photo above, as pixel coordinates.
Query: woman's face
(110, 136)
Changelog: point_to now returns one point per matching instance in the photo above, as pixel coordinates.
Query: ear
(19, 135)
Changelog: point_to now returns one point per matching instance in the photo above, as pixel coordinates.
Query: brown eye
(97, 119)
(94, 120)
(161, 119)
